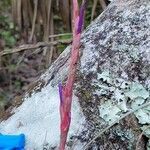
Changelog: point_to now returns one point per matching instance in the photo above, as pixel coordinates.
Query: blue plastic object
(12, 142)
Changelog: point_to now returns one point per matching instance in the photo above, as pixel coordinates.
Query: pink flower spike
(66, 92)
(81, 17)
(75, 16)
(60, 92)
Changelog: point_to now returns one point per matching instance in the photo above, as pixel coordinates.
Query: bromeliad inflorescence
(66, 91)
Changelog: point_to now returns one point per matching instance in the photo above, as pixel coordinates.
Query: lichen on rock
(113, 78)
(117, 69)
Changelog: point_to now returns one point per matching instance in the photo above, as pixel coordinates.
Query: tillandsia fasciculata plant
(66, 91)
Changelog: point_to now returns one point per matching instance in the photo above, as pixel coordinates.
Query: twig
(103, 4)
(34, 46)
(58, 35)
(50, 29)
(107, 128)
(34, 19)
(93, 9)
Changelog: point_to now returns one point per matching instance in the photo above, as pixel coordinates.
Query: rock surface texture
(113, 78)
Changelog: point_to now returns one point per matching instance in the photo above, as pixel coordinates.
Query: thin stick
(103, 4)
(107, 128)
(59, 35)
(48, 26)
(34, 46)
(49, 30)
(34, 20)
(93, 9)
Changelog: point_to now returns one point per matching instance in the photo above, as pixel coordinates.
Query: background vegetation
(40, 29)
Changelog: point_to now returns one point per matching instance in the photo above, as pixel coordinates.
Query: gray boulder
(111, 91)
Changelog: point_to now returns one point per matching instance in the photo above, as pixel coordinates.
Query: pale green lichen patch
(148, 145)
(136, 90)
(105, 76)
(109, 112)
(138, 95)
(137, 102)
(118, 94)
(125, 96)
(134, 53)
(143, 115)
(125, 135)
(146, 130)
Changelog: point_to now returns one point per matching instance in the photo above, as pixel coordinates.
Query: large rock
(112, 79)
